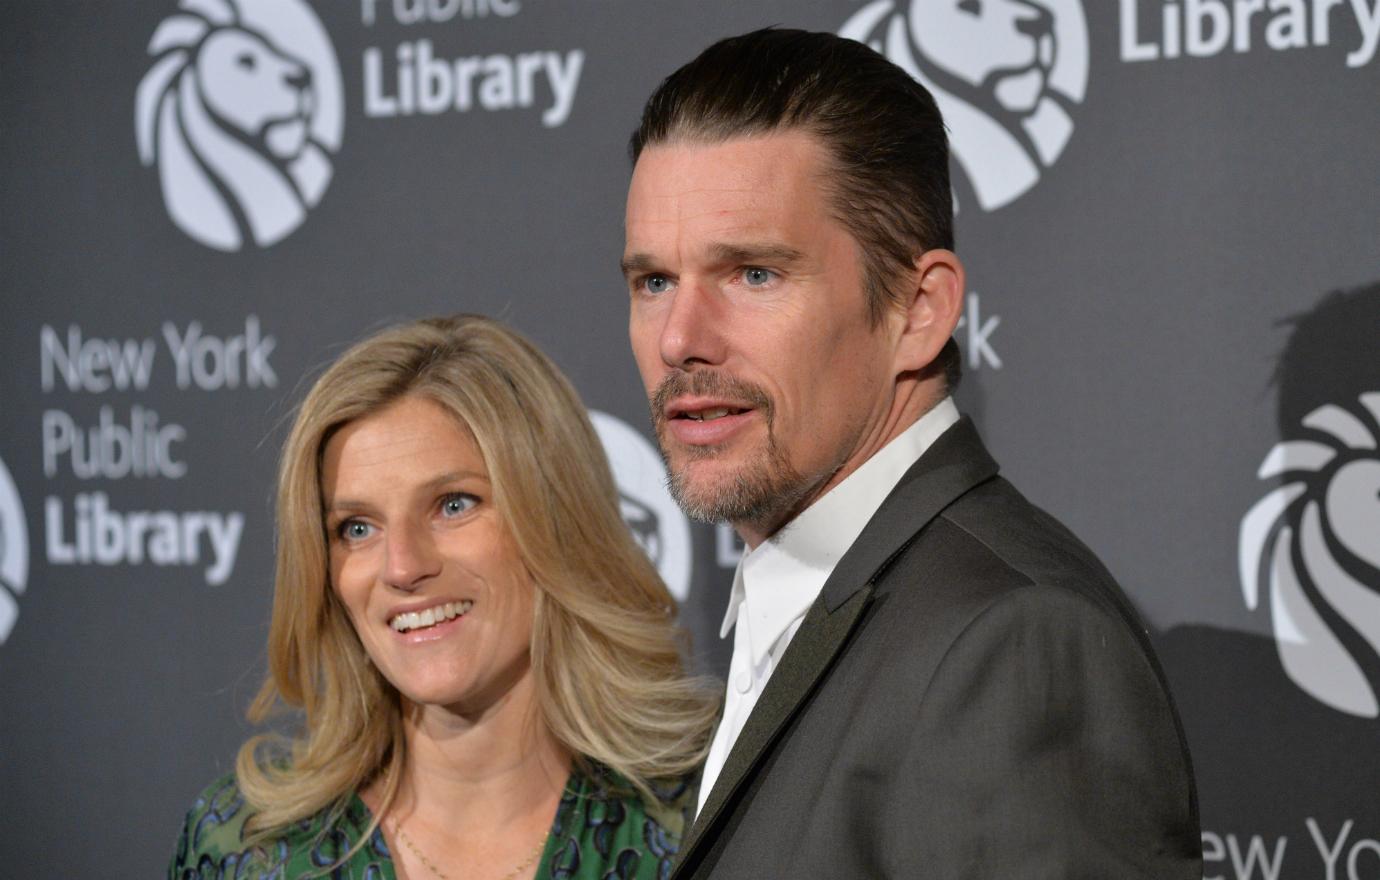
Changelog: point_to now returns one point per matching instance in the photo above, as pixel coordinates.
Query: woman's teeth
(422, 619)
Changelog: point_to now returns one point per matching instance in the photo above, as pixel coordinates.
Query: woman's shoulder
(215, 842)
(604, 825)
(212, 830)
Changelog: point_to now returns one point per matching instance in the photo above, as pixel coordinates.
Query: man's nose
(411, 557)
(693, 331)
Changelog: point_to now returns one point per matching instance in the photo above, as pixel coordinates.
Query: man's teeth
(421, 619)
(709, 415)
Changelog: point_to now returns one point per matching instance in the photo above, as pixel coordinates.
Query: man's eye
(457, 503)
(656, 284)
(354, 530)
(755, 277)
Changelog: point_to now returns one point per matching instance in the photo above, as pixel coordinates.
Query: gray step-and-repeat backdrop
(1171, 214)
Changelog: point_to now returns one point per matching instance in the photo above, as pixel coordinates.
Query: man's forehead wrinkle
(705, 227)
(692, 204)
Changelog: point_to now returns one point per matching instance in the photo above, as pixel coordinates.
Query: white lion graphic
(995, 71)
(1313, 544)
(227, 115)
(651, 515)
(9, 608)
(14, 553)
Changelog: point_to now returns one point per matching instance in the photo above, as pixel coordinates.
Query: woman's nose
(411, 558)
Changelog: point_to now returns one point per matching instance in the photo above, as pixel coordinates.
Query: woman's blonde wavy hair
(606, 655)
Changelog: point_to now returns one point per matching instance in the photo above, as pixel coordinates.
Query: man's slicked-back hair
(889, 180)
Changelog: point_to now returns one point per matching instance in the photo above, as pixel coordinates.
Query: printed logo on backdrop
(94, 446)
(1006, 75)
(1309, 549)
(1169, 29)
(648, 509)
(240, 113)
(14, 553)
(418, 77)
(1313, 544)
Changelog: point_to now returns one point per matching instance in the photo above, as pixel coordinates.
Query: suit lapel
(956, 463)
(822, 633)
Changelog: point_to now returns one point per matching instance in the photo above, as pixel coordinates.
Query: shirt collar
(778, 581)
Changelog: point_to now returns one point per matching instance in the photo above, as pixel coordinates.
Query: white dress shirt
(776, 583)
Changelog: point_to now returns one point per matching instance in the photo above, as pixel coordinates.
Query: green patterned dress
(602, 831)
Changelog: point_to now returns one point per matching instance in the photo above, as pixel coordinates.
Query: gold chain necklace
(426, 862)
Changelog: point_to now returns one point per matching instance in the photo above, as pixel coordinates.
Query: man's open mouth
(709, 415)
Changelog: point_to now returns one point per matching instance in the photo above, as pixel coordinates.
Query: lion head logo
(650, 513)
(240, 112)
(14, 553)
(1005, 74)
(1309, 548)
(641, 520)
(1314, 541)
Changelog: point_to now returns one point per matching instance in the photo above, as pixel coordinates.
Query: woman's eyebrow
(454, 477)
(335, 505)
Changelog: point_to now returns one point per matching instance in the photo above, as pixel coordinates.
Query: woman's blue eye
(454, 505)
(354, 530)
(755, 277)
(657, 284)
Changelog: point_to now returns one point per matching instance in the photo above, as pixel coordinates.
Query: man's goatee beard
(764, 488)
(763, 491)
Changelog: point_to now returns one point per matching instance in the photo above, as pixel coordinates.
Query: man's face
(748, 321)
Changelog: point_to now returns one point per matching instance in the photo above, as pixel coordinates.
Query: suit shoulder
(992, 550)
(997, 524)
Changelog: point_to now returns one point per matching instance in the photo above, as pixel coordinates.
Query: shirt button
(743, 682)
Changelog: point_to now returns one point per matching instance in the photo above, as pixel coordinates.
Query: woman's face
(422, 561)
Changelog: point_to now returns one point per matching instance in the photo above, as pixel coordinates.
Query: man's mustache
(709, 383)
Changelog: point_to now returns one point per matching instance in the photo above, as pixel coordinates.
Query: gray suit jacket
(971, 696)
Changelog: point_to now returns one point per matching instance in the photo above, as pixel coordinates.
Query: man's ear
(932, 309)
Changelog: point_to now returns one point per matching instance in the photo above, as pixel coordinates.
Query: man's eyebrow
(635, 264)
(773, 254)
(737, 254)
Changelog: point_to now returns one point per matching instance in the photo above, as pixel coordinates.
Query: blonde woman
(490, 680)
